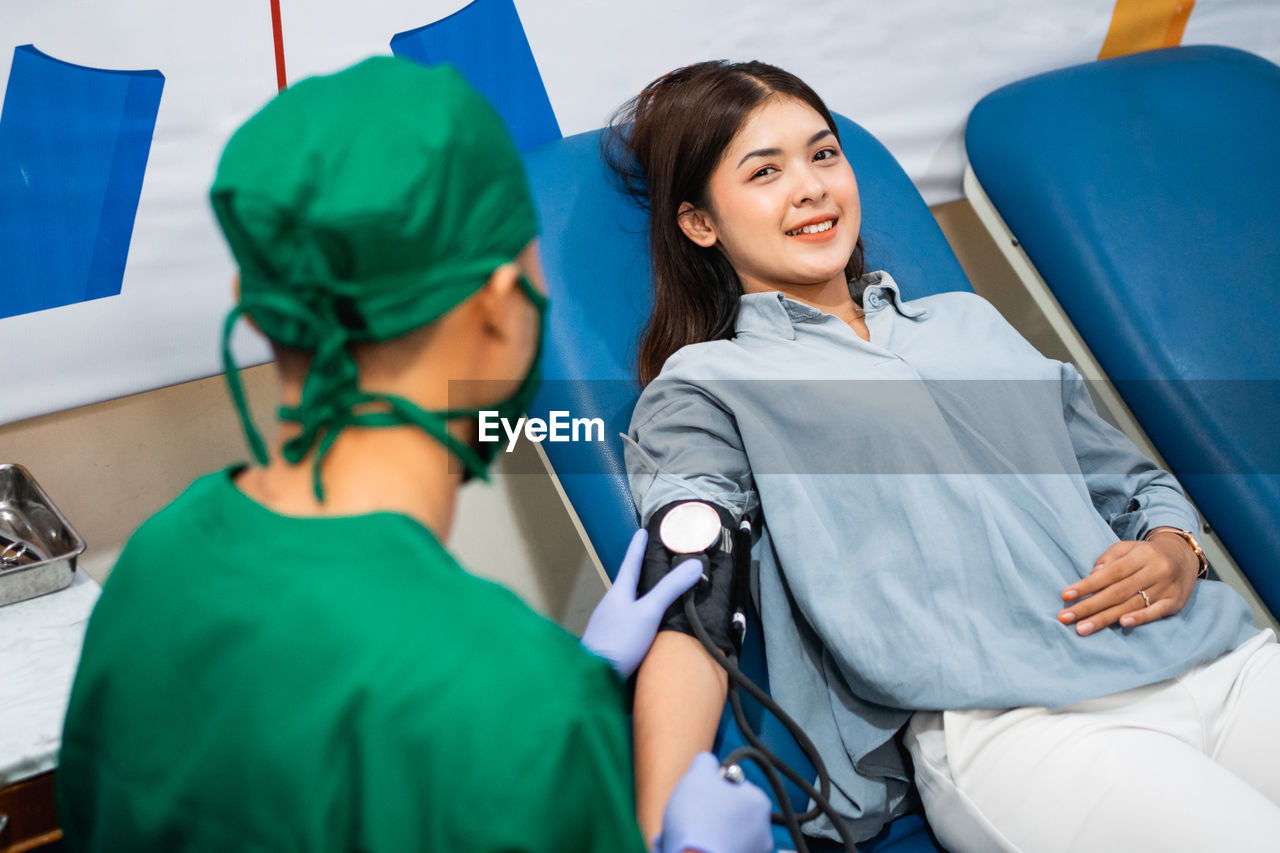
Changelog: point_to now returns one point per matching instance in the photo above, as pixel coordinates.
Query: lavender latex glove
(708, 813)
(622, 627)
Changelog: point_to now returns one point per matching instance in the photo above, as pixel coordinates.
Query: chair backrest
(596, 258)
(1145, 190)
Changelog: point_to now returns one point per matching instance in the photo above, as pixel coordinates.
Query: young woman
(985, 567)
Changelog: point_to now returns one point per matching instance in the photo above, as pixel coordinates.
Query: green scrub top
(252, 681)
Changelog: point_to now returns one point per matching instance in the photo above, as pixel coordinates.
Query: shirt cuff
(1145, 513)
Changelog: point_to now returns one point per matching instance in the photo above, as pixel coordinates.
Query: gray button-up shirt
(925, 496)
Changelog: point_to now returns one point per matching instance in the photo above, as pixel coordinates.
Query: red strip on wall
(277, 34)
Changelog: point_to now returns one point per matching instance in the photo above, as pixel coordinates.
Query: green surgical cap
(360, 206)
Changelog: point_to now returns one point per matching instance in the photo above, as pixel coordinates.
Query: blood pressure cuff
(714, 601)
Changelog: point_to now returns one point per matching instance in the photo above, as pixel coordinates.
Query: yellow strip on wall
(1138, 25)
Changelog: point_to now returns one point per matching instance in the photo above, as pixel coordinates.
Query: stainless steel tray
(38, 546)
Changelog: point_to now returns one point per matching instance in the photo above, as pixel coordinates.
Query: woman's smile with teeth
(812, 229)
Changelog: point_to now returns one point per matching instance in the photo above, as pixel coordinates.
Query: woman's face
(783, 201)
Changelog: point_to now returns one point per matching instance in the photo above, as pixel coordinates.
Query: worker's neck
(396, 469)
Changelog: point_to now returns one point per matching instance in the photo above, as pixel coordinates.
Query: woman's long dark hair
(664, 144)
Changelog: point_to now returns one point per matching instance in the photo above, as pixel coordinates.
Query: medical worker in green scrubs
(287, 657)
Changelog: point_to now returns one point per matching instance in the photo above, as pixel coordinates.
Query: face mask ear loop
(539, 299)
(256, 445)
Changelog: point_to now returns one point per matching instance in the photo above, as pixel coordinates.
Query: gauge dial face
(690, 528)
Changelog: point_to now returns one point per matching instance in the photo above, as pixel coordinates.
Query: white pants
(1189, 764)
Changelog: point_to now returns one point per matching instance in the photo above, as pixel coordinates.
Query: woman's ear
(696, 225)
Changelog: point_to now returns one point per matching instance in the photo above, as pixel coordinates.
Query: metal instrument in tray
(38, 546)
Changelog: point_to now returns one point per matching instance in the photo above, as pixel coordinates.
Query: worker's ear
(696, 225)
(497, 299)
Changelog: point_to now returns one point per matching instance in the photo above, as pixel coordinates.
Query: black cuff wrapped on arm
(713, 598)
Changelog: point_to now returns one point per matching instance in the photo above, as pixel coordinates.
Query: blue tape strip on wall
(74, 143)
(486, 42)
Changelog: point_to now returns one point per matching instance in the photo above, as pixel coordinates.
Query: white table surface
(40, 642)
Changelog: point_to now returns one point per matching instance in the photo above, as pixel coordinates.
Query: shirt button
(874, 300)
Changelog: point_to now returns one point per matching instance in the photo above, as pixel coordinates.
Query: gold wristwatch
(1191, 540)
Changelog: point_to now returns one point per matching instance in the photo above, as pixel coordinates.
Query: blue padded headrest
(1146, 191)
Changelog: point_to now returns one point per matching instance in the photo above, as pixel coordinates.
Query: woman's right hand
(710, 814)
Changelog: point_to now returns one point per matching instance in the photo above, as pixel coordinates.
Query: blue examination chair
(596, 257)
(1145, 190)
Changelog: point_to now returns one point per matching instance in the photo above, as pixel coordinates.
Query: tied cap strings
(331, 398)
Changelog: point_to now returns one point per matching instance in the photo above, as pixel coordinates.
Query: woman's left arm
(1152, 571)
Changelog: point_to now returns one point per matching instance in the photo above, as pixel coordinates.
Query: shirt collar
(772, 313)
